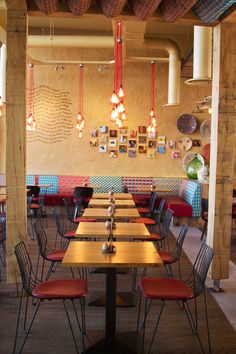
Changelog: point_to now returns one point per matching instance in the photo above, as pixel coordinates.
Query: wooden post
(222, 148)
(16, 131)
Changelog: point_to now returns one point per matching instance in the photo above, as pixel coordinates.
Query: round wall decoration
(206, 151)
(189, 157)
(184, 143)
(205, 129)
(187, 123)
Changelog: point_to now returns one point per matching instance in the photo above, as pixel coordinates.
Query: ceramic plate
(185, 143)
(206, 151)
(205, 129)
(187, 124)
(187, 158)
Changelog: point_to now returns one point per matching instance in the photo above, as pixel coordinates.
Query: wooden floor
(50, 333)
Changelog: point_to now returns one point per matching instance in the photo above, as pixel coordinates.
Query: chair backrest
(180, 240)
(204, 206)
(165, 226)
(41, 238)
(60, 222)
(33, 190)
(2, 228)
(83, 192)
(29, 280)
(200, 269)
(125, 189)
(152, 201)
(158, 213)
(69, 211)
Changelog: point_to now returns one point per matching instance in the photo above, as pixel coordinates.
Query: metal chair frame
(196, 282)
(29, 283)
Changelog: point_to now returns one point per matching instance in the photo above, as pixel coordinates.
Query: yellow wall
(74, 156)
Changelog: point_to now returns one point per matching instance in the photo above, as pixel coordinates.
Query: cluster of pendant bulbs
(80, 118)
(118, 114)
(152, 122)
(30, 119)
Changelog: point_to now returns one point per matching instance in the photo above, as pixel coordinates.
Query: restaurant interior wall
(74, 156)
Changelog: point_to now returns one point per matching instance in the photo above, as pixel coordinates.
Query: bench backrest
(190, 191)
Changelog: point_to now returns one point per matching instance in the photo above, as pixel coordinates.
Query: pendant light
(152, 123)
(118, 114)
(30, 119)
(80, 118)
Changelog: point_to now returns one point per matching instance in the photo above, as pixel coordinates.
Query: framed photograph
(152, 135)
(142, 129)
(103, 139)
(133, 133)
(122, 148)
(93, 142)
(142, 149)
(161, 149)
(112, 143)
(196, 142)
(175, 155)
(151, 154)
(131, 153)
(102, 148)
(103, 129)
(94, 133)
(142, 139)
(112, 153)
(123, 130)
(132, 144)
(152, 144)
(113, 133)
(171, 144)
(161, 140)
(123, 139)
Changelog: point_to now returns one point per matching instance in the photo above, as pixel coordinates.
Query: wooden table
(128, 254)
(116, 195)
(102, 213)
(122, 230)
(105, 203)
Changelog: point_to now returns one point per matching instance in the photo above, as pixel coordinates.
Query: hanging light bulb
(123, 116)
(30, 119)
(121, 92)
(114, 98)
(152, 124)
(210, 110)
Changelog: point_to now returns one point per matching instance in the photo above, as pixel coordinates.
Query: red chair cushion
(34, 206)
(165, 289)
(153, 237)
(56, 256)
(61, 289)
(166, 257)
(81, 219)
(179, 206)
(143, 210)
(69, 234)
(146, 221)
(205, 215)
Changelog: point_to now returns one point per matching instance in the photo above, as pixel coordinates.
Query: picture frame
(104, 129)
(152, 144)
(142, 149)
(175, 155)
(94, 133)
(123, 139)
(132, 143)
(132, 153)
(133, 133)
(171, 144)
(123, 130)
(152, 135)
(112, 153)
(151, 154)
(161, 149)
(113, 143)
(196, 143)
(142, 139)
(102, 148)
(122, 149)
(113, 133)
(142, 129)
(161, 140)
(103, 139)
(93, 142)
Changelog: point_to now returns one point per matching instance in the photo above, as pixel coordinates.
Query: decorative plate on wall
(185, 143)
(206, 151)
(187, 123)
(205, 129)
(189, 157)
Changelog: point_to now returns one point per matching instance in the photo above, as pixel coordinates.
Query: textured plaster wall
(74, 156)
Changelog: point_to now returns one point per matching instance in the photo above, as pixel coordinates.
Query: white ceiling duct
(202, 56)
(108, 42)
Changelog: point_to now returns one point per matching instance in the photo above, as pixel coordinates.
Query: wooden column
(15, 131)
(222, 147)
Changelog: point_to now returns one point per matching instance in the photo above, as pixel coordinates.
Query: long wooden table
(102, 213)
(128, 254)
(122, 230)
(105, 203)
(116, 195)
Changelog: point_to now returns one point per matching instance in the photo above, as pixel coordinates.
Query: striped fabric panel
(193, 196)
(2, 180)
(134, 183)
(172, 10)
(49, 179)
(210, 10)
(107, 182)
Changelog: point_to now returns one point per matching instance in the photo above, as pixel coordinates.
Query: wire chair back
(69, 210)
(152, 201)
(180, 240)
(200, 268)
(2, 228)
(28, 277)
(60, 222)
(44, 247)
(165, 226)
(158, 213)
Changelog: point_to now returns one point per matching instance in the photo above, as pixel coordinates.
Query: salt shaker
(104, 247)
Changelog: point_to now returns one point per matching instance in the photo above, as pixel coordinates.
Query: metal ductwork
(202, 56)
(108, 42)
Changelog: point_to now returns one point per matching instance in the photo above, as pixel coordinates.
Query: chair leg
(69, 321)
(155, 329)
(18, 321)
(207, 322)
(204, 230)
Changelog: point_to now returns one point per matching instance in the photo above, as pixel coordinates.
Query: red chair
(170, 289)
(60, 289)
(151, 206)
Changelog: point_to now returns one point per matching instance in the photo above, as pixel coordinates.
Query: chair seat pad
(34, 206)
(56, 256)
(61, 289)
(154, 236)
(146, 221)
(165, 289)
(69, 234)
(143, 210)
(81, 219)
(167, 258)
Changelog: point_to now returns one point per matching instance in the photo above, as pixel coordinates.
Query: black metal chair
(204, 215)
(2, 241)
(170, 289)
(83, 195)
(60, 289)
(64, 234)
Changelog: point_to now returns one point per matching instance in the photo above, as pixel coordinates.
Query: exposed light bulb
(80, 134)
(151, 113)
(210, 110)
(149, 129)
(123, 116)
(121, 92)
(114, 98)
